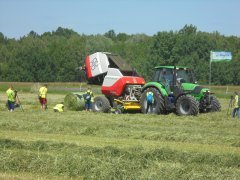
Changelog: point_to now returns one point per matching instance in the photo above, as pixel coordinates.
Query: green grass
(53, 87)
(85, 145)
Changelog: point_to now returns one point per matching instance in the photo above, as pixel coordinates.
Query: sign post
(218, 56)
(210, 69)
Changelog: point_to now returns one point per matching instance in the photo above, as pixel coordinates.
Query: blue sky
(19, 17)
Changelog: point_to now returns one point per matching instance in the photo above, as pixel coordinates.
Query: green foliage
(54, 56)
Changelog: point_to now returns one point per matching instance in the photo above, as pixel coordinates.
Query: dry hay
(74, 102)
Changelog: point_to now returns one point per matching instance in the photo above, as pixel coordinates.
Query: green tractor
(175, 90)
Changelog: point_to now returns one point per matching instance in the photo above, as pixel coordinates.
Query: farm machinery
(121, 85)
(174, 88)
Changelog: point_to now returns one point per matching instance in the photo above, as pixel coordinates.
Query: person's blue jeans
(88, 105)
(236, 110)
(149, 106)
(10, 105)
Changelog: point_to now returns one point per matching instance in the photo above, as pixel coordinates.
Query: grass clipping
(74, 102)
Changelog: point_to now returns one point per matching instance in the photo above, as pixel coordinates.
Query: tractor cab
(173, 78)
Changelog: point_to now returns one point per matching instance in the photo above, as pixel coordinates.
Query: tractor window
(163, 76)
(185, 76)
(155, 76)
(166, 76)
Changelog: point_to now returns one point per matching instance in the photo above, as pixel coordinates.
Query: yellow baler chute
(127, 106)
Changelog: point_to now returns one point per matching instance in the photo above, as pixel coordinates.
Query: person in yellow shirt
(11, 98)
(236, 106)
(43, 96)
(59, 107)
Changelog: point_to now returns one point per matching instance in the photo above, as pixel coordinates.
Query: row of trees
(54, 56)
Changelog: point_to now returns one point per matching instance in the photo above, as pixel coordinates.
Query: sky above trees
(18, 18)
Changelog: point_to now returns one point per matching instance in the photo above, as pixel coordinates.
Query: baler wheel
(101, 104)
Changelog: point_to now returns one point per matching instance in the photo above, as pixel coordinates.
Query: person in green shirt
(11, 98)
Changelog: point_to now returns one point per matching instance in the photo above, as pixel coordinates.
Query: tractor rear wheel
(186, 105)
(215, 105)
(158, 105)
(101, 104)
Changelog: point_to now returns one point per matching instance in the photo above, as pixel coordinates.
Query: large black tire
(158, 106)
(215, 105)
(187, 105)
(101, 104)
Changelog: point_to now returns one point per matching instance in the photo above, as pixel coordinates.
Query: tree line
(55, 56)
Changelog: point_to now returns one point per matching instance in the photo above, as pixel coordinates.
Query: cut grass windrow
(119, 142)
(76, 160)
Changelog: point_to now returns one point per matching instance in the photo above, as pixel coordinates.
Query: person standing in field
(43, 96)
(236, 106)
(150, 101)
(11, 98)
(88, 97)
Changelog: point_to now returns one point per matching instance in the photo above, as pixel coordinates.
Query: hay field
(85, 145)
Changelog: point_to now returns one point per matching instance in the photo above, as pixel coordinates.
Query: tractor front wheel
(186, 105)
(215, 105)
(101, 104)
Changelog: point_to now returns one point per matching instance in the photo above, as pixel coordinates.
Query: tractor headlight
(207, 92)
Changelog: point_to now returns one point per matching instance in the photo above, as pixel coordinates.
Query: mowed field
(86, 145)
